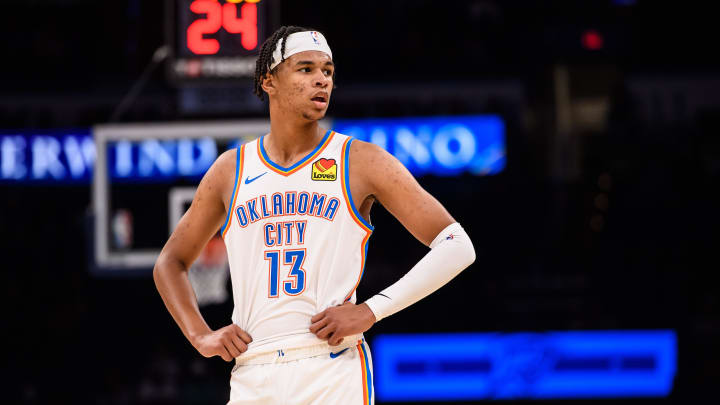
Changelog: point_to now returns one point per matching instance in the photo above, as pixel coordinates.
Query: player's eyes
(326, 72)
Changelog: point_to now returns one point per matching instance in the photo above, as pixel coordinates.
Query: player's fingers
(325, 332)
(243, 335)
(318, 325)
(335, 339)
(225, 355)
(241, 346)
(318, 316)
(230, 347)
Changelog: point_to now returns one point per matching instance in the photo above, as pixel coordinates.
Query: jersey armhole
(239, 159)
(346, 188)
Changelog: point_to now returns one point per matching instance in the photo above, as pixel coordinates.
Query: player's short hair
(265, 59)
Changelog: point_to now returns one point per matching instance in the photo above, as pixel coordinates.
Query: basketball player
(293, 209)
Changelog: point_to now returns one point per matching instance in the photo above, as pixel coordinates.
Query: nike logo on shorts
(333, 355)
(248, 180)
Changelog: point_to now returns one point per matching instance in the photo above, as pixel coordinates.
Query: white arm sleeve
(450, 253)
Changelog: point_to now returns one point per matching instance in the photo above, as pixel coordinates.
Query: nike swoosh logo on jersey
(248, 180)
(333, 355)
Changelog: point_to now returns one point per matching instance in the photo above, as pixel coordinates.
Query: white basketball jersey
(296, 243)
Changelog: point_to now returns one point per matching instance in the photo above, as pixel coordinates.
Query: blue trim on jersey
(368, 373)
(232, 197)
(346, 165)
(303, 160)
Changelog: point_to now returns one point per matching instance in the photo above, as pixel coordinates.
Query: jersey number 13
(294, 284)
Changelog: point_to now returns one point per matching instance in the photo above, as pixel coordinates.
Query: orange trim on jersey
(366, 396)
(307, 159)
(368, 231)
(241, 162)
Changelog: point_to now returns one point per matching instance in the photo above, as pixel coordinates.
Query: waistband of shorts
(297, 353)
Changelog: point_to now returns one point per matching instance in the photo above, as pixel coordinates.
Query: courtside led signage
(553, 365)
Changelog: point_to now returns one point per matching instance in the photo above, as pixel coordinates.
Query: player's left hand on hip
(334, 323)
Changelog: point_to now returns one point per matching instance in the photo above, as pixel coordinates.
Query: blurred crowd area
(604, 218)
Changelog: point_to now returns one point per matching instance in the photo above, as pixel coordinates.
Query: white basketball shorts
(314, 375)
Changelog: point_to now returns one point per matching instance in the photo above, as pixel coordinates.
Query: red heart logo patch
(324, 164)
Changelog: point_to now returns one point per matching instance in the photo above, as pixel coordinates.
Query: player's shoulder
(367, 152)
(221, 174)
(372, 164)
(228, 156)
(226, 161)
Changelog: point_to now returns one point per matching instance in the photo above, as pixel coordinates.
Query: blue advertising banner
(553, 365)
(161, 160)
(444, 146)
(47, 157)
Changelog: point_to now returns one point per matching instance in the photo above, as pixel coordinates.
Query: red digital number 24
(224, 16)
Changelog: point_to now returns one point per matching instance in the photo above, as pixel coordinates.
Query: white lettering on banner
(46, 158)
(185, 156)
(425, 135)
(70, 157)
(13, 157)
(444, 146)
(187, 163)
(452, 146)
(408, 146)
(379, 138)
(156, 154)
(446, 156)
(80, 155)
(123, 159)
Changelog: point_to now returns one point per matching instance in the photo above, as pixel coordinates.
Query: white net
(209, 274)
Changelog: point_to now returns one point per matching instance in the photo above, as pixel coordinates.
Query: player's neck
(290, 140)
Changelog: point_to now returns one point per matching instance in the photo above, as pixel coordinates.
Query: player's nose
(320, 80)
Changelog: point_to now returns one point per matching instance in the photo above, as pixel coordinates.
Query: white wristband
(450, 252)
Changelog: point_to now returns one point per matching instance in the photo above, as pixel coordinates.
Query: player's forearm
(451, 252)
(176, 291)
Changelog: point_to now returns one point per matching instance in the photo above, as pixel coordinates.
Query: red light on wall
(592, 40)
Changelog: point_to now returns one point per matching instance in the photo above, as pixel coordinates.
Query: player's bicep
(398, 191)
(204, 218)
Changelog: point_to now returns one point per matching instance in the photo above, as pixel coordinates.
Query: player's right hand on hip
(228, 342)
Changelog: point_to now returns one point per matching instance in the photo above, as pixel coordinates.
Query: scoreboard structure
(217, 40)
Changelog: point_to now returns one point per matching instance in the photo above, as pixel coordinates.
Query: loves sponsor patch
(324, 170)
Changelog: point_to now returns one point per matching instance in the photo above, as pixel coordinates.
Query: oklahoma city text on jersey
(283, 204)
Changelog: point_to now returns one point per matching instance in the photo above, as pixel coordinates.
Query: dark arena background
(576, 141)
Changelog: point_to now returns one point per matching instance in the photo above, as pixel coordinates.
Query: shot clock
(216, 39)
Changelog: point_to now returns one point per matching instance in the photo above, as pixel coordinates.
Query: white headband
(300, 42)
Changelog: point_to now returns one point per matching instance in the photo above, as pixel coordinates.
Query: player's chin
(314, 114)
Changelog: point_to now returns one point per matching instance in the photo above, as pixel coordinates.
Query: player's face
(304, 83)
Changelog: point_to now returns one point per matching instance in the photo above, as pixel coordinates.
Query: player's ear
(268, 83)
